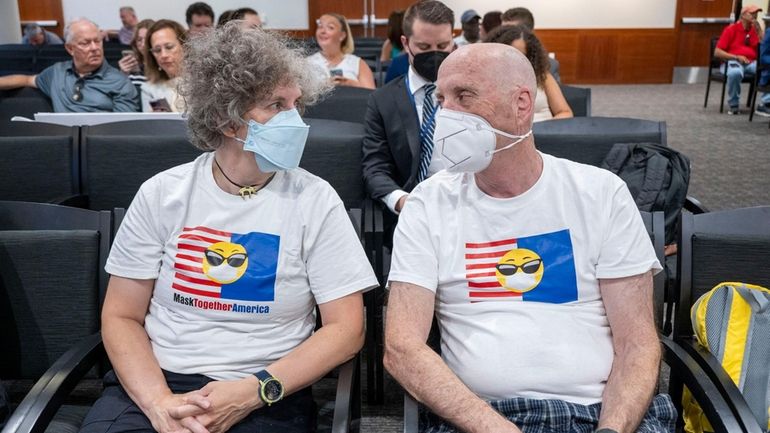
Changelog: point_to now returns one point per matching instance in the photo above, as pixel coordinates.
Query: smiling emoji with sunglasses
(225, 262)
(519, 270)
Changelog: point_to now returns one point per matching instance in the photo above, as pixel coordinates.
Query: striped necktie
(426, 131)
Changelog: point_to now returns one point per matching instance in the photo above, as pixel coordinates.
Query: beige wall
(9, 23)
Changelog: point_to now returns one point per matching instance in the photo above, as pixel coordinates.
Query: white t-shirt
(545, 334)
(162, 90)
(237, 280)
(349, 65)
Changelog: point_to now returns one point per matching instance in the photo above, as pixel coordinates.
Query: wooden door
(694, 37)
(43, 10)
(366, 17)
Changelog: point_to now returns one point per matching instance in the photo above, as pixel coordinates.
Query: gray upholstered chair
(345, 103)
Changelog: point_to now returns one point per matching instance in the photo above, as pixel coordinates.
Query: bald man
(85, 84)
(538, 269)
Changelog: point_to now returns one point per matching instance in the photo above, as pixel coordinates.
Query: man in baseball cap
(470, 20)
(738, 47)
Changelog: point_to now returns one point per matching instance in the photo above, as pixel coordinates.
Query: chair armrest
(693, 205)
(686, 368)
(724, 383)
(411, 414)
(39, 406)
(346, 397)
(79, 201)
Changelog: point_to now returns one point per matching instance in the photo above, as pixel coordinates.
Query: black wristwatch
(605, 430)
(270, 388)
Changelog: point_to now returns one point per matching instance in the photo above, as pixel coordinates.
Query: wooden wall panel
(693, 49)
(43, 10)
(612, 56)
(704, 8)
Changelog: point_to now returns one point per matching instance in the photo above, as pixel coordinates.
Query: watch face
(272, 390)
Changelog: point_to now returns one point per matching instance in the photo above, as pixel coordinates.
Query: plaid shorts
(557, 416)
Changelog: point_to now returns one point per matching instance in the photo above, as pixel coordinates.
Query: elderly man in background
(35, 35)
(738, 46)
(539, 271)
(85, 84)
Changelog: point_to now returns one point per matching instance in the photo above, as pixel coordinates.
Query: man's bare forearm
(15, 81)
(423, 373)
(634, 376)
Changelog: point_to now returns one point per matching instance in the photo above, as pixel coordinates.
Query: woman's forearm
(130, 353)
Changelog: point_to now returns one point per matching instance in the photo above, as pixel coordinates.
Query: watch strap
(263, 375)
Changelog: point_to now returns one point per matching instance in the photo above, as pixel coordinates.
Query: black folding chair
(715, 74)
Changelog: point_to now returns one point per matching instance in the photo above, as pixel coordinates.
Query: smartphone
(160, 105)
(125, 53)
(335, 73)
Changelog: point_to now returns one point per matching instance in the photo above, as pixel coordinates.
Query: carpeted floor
(729, 157)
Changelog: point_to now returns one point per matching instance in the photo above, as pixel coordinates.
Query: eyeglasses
(216, 259)
(747, 39)
(528, 268)
(77, 91)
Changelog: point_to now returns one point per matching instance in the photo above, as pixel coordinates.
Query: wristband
(605, 430)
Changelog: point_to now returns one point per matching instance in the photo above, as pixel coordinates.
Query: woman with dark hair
(392, 47)
(164, 41)
(220, 264)
(132, 64)
(489, 22)
(336, 59)
(549, 101)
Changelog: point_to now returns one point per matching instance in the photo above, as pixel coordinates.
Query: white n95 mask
(466, 142)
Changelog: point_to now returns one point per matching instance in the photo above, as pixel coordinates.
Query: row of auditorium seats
(27, 59)
(344, 103)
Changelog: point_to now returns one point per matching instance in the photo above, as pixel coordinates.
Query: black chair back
(721, 246)
(23, 102)
(17, 59)
(333, 153)
(345, 103)
(578, 98)
(52, 282)
(589, 139)
(116, 158)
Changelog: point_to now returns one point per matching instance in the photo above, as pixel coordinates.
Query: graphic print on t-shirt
(226, 265)
(539, 268)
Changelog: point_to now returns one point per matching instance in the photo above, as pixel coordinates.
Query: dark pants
(115, 412)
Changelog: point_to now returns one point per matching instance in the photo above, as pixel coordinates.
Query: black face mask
(426, 64)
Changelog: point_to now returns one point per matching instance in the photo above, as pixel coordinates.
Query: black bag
(657, 177)
(5, 406)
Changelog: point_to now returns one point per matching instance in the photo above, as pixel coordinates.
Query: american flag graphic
(256, 284)
(557, 285)
(480, 262)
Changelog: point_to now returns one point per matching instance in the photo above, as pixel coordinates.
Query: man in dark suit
(400, 117)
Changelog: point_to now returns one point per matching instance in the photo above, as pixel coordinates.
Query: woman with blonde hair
(162, 66)
(336, 56)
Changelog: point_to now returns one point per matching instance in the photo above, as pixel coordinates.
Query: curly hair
(229, 70)
(536, 54)
(152, 69)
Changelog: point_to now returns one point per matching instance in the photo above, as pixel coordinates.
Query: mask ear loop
(519, 139)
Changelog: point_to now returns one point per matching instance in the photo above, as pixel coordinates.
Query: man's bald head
(501, 65)
(494, 81)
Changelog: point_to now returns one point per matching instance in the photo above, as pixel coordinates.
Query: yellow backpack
(732, 321)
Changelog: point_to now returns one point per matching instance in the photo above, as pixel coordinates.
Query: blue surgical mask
(277, 144)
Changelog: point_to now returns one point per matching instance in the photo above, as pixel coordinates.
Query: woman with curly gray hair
(219, 264)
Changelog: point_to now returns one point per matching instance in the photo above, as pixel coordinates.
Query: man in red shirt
(738, 46)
